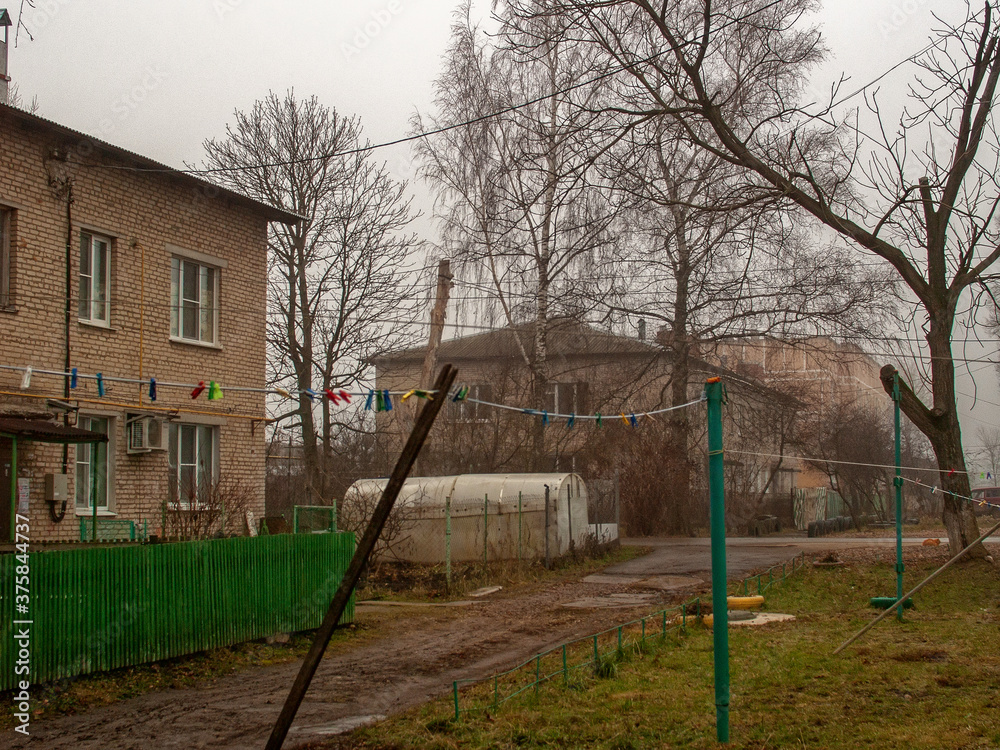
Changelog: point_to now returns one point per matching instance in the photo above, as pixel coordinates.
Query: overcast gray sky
(159, 78)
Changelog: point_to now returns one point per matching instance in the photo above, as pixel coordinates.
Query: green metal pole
(13, 487)
(454, 687)
(898, 481)
(717, 511)
(93, 487)
(519, 527)
(486, 528)
(447, 555)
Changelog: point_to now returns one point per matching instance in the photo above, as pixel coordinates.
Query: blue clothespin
(545, 418)
(632, 420)
(368, 403)
(386, 401)
(72, 378)
(100, 385)
(570, 421)
(310, 393)
(152, 389)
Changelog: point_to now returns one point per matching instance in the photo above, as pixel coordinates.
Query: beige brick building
(112, 263)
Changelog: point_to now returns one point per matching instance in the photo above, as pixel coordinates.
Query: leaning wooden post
(413, 445)
(717, 520)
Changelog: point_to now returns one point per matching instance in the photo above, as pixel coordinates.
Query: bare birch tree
(920, 192)
(512, 195)
(338, 275)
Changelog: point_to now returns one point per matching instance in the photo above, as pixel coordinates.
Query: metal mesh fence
(314, 519)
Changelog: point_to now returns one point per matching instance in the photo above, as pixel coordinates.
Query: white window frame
(206, 312)
(6, 244)
(472, 411)
(92, 308)
(204, 475)
(107, 507)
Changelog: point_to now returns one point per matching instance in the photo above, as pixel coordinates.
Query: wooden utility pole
(437, 322)
(381, 513)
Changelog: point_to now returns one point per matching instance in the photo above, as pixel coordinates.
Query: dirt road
(415, 660)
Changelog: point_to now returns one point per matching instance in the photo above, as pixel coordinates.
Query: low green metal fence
(101, 608)
(562, 661)
(758, 584)
(113, 530)
(314, 519)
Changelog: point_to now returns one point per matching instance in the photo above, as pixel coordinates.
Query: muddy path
(415, 656)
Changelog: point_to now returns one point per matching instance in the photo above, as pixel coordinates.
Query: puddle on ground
(611, 601)
(340, 726)
(659, 583)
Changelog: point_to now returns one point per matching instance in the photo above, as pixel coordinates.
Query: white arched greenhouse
(481, 516)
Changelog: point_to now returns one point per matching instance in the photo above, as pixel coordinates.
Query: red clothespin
(951, 472)
(334, 398)
(199, 389)
(345, 395)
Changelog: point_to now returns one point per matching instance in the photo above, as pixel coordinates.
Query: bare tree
(338, 275)
(989, 448)
(512, 194)
(711, 258)
(924, 204)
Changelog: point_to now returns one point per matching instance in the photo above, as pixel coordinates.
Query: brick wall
(146, 215)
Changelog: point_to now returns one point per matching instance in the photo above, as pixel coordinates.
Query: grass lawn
(932, 681)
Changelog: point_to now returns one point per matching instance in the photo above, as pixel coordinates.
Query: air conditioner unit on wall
(145, 433)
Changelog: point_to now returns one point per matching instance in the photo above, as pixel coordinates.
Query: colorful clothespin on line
(570, 421)
(199, 389)
(461, 394)
(214, 391)
(598, 415)
(632, 420)
(951, 472)
(100, 385)
(152, 389)
(545, 418)
(368, 402)
(310, 394)
(331, 396)
(345, 395)
(282, 392)
(624, 418)
(386, 401)
(418, 393)
(26, 378)
(72, 378)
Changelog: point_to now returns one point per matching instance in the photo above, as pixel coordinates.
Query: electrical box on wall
(56, 487)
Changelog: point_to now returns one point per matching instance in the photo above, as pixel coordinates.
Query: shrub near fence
(100, 608)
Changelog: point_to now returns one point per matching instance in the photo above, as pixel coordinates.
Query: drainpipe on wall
(57, 517)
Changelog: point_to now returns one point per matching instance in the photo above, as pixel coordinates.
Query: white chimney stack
(5, 22)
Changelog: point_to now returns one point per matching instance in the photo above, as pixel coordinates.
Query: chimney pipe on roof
(5, 22)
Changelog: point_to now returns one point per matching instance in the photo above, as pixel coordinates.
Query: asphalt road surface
(692, 557)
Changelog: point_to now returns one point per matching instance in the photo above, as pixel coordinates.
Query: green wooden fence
(100, 608)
